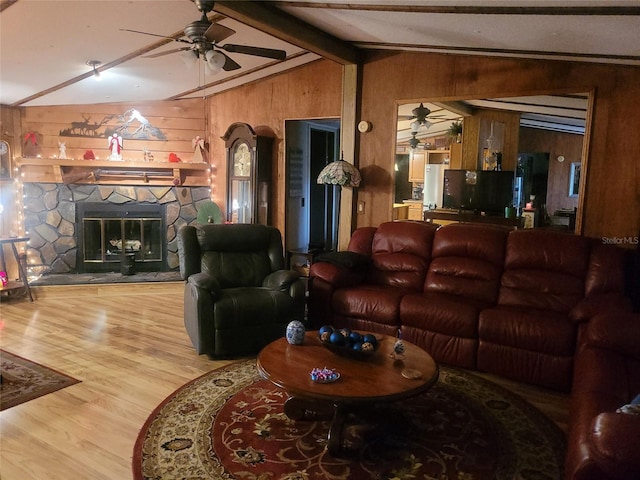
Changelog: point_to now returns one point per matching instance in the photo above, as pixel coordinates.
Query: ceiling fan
(204, 38)
(419, 117)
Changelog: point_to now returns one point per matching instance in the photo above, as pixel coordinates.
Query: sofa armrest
(281, 280)
(600, 303)
(614, 440)
(336, 275)
(616, 332)
(206, 282)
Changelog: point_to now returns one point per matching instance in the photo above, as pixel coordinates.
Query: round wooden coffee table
(379, 378)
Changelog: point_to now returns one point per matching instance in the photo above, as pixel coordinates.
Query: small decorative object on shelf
(200, 150)
(324, 375)
(173, 158)
(88, 155)
(4, 279)
(115, 147)
(148, 156)
(348, 343)
(62, 150)
(295, 332)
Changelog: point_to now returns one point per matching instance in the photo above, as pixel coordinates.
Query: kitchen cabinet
(418, 160)
(455, 160)
(415, 209)
(438, 156)
(416, 166)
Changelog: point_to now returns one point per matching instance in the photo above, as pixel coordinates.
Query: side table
(22, 282)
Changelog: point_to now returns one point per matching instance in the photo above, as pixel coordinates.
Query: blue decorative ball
(337, 338)
(325, 329)
(370, 338)
(355, 338)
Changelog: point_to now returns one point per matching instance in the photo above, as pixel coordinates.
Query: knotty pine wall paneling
(312, 91)
(180, 121)
(612, 200)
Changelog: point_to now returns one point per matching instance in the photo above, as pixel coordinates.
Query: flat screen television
(480, 191)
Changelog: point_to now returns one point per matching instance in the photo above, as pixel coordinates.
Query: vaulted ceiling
(46, 44)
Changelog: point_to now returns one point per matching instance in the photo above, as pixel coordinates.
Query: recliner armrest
(615, 332)
(280, 280)
(596, 304)
(336, 275)
(206, 282)
(614, 440)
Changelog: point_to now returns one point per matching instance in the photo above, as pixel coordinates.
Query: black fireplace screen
(106, 240)
(113, 232)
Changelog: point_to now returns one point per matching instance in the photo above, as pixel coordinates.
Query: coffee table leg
(334, 441)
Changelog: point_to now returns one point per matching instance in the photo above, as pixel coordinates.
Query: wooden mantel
(102, 172)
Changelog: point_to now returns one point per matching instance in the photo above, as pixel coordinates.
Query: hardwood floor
(128, 346)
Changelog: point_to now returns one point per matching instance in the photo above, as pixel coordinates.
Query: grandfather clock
(248, 175)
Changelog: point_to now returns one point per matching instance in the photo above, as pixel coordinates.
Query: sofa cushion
(544, 270)
(606, 272)
(533, 330)
(250, 307)
(400, 255)
(375, 303)
(441, 313)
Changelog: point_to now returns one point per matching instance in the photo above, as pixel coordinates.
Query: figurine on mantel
(115, 146)
(200, 150)
(148, 156)
(62, 150)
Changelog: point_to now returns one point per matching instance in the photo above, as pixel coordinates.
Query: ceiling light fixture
(215, 61)
(94, 64)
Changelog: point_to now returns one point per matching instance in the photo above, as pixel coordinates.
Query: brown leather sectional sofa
(530, 305)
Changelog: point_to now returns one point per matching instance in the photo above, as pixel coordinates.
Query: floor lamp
(342, 174)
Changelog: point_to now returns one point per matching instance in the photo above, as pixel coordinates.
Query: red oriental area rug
(229, 424)
(23, 380)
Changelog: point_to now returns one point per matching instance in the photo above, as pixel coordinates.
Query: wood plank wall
(312, 91)
(180, 121)
(612, 200)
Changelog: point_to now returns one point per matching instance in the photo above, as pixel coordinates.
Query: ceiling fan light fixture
(215, 60)
(189, 58)
(94, 64)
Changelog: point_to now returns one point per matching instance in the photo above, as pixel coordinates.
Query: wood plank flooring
(128, 346)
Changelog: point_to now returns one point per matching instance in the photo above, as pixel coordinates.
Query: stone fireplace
(86, 228)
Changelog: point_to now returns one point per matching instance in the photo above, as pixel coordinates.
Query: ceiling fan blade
(257, 51)
(156, 35)
(162, 54)
(229, 64)
(217, 33)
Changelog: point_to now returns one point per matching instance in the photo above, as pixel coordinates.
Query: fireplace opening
(108, 233)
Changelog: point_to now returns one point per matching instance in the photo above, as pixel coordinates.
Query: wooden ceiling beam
(286, 27)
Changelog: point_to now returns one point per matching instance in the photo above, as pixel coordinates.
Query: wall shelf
(105, 172)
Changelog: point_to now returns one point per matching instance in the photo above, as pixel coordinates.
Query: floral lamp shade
(340, 173)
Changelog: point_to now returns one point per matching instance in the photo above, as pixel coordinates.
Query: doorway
(311, 220)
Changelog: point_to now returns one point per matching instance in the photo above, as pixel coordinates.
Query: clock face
(242, 161)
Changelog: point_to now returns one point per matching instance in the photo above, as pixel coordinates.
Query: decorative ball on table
(295, 332)
(398, 350)
(346, 342)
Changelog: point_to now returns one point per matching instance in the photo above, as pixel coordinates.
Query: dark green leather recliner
(237, 296)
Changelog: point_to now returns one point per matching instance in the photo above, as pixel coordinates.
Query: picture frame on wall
(5, 160)
(574, 179)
